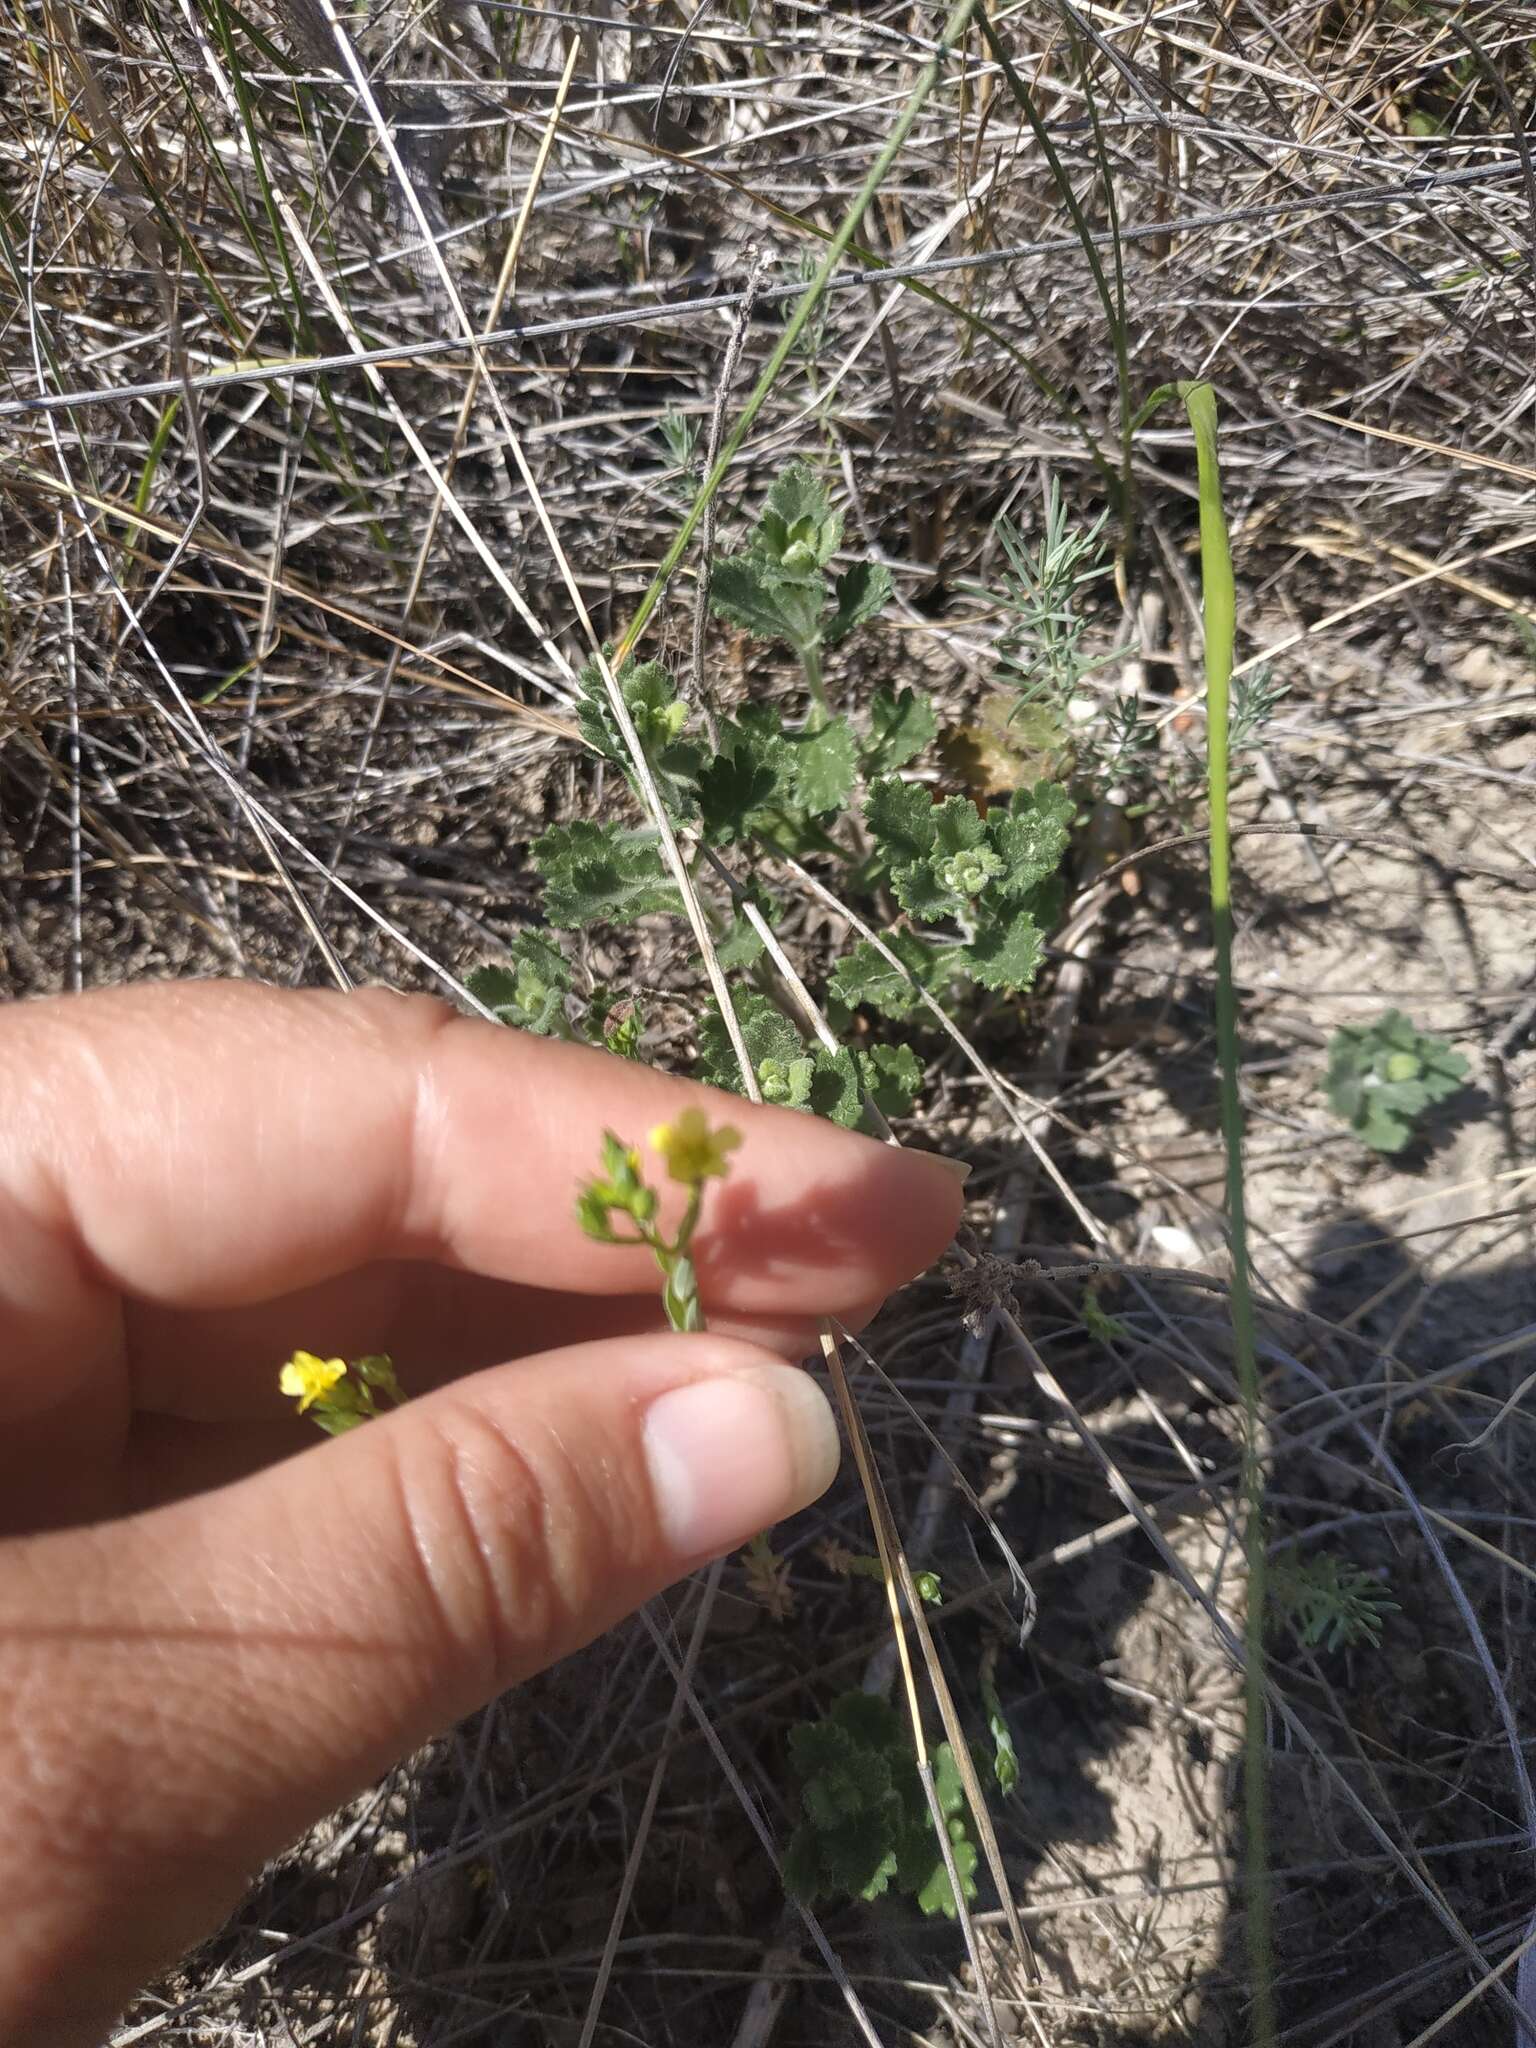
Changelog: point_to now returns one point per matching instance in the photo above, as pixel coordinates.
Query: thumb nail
(959, 1168)
(728, 1456)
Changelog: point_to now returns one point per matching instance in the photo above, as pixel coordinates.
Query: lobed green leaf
(1005, 954)
(860, 592)
(901, 724)
(825, 764)
(602, 874)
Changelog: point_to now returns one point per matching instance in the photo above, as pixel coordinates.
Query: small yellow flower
(693, 1151)
(307, 1379)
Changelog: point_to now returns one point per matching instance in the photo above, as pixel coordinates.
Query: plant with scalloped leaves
(974, 892)
(1384, 1076)
(865, 1820)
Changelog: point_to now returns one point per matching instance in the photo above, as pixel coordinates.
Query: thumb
(182, 1693)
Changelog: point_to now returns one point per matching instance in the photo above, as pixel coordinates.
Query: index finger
(211, 1144)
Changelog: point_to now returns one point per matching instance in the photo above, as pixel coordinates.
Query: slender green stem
(1220, 609)
(810, 661)
(954, 27)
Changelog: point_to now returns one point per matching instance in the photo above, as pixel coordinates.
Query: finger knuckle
(513, 1538)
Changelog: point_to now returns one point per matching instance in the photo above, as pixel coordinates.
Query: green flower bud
(967, 873)
(773, 1079)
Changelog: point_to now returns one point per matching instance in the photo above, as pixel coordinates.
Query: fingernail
(728, 1456)
(958, 1167)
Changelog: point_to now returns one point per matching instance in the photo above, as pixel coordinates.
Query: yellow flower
(693, 1151)
(307, 1379)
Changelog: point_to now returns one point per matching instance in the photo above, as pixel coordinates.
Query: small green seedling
(531, 990)
(1382, 1077)
(1326, 1602)
(1005, 1757)
(866, 1823)
(779, 587)
(337, 1395)
(680, 435)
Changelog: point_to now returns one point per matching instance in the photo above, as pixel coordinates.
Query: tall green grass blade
(1220, 612)
(152, 461)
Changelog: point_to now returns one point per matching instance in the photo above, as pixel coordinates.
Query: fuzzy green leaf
(743, 589)
(863, 975)
(854, 1858)
(797, 493)
(824, 1745)
(920, 890)
(957, 826)
(740, 946)
(601, 874)
(824, 767)
(787, 1083)
(527, 989)
(861, 1783)
(659, 716)
(1006, 954)
(750, 774)
(798, 529)
(900, 819)
(861, 592)
(1031, 836)
(892, 1077)
(868, 1718)
(768, 1035)
(867, 1819)
(901, 724)
(835, 1091)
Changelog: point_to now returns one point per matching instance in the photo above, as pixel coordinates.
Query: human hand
(213, 1626)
